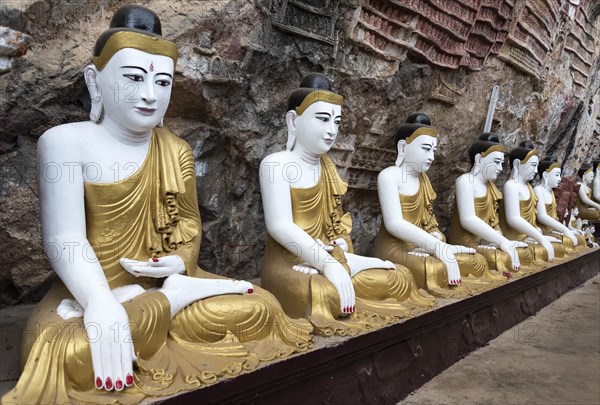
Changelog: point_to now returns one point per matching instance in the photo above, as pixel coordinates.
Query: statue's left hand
(341, 242)
(552, 239)
(438, 235)
(156, 268)
(456, 249)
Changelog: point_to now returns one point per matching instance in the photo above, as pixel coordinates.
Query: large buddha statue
(549, 171)
(518, 208)
(309, 264)
(409, 232)
(588, 208)
(132, 315)
(475, 220)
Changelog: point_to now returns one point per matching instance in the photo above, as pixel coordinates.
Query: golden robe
(486, 209)
(568, 244)
(382, 296)
(585, 211)
(528, 211)
(153, 213)
(430, 272)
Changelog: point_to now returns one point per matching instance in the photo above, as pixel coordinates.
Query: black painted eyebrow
(326, 113)
(168, 74)
(135, 67)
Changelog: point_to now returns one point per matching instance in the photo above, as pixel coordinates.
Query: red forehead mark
(152, 66)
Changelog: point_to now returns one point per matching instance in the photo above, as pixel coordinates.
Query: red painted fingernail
(98, 382)
(108, 384)
(129, 379)
(250, 290)
(119, 384)
(155, 260)
(353, 308)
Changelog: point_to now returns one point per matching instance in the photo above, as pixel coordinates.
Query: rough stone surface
(238, 62)
(12, 44)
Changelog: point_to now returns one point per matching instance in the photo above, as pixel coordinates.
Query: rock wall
(240, 59)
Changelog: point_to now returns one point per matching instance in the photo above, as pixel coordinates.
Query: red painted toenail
(250, 290)
(108, 384)
(119, 384)
(155, 260)
(129, 379)
(98, 382)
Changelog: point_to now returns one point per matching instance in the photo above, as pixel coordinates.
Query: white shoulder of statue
(389, 174)
(283, 156)
(67, 133)
(464, 180)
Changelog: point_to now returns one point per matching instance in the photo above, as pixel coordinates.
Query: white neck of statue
(306, 156)
(125, 135)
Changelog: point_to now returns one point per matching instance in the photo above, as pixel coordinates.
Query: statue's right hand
(339, 277)
(510, 247)
(109, 334)
(572, 236)
(548, 246)
(447, 256)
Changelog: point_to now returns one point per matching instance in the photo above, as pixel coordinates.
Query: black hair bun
(136, 17)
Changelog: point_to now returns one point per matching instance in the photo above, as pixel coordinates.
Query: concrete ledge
(382, 366)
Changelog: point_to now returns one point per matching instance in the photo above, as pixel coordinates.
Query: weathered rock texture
(240, 59)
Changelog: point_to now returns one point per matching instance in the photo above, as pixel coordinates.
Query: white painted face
(136, 88)
(491, 165)
(554, 177)
(530, 168)
(317, 128)
(420, 153)
(588, 177)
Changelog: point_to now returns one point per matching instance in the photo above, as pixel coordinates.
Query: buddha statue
(409, 233)
(309, 264)
(596, 182)
(549, 171)
(588, 208)
(518, 209)
(475, 220)
(132, 316)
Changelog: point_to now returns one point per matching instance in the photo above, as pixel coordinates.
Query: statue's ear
(515, 167)
(90, 74)
(401, 146)
(290, 120)
(477, 164)
(545, 178)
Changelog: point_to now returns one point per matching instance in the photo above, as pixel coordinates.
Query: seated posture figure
(130, 317)
(475, 221)
(518, 211)
(409, 233)
(309, 265)
(588, 208)
(549, 171)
